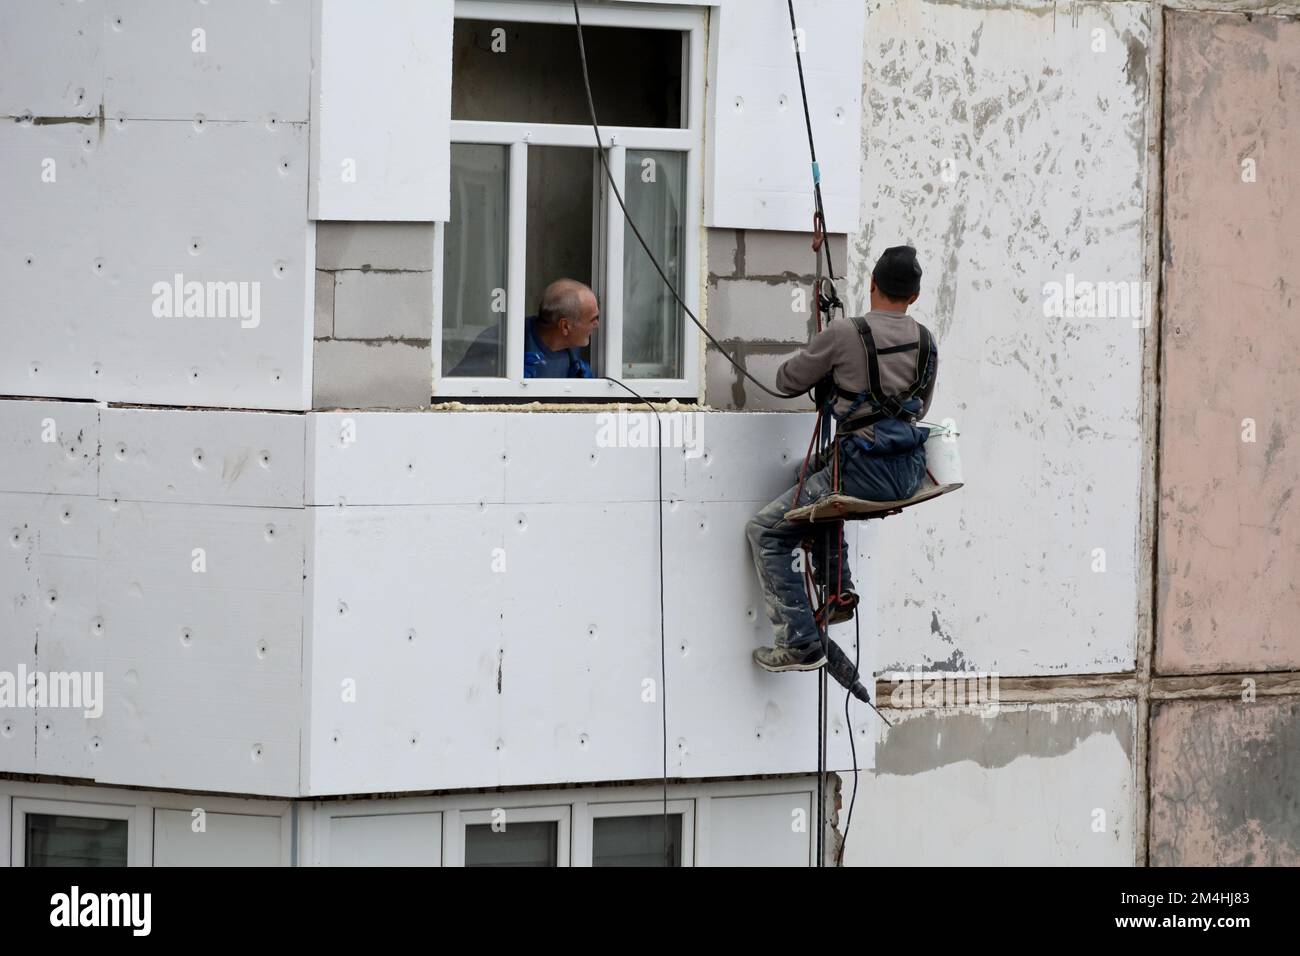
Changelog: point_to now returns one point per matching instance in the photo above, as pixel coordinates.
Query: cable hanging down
(613, 188)
(823, 302)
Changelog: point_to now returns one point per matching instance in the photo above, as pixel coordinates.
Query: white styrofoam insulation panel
(197, 457)
(540, 665)
(134, 204)
(547, 656)
(232, 60)
(243, 60)
(1047, 140)
(49, 447)
(51, 57)
(758, 168)
(381, 110)
(202, 670)
(98, 576)
(47, 552)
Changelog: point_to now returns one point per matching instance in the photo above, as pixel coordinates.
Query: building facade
(283, 585)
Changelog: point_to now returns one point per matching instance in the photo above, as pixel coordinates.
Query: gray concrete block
(723, 259)
(383, 305)
(755, 309)
(768, 253)
(324, 304)
(725, 388)
(374, 245)
(365, 375)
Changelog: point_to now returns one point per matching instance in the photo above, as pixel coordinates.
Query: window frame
(33, 806)
(586, 815)
(457, 822)
(616, 140)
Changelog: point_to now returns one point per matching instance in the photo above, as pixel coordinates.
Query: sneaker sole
(807, 666)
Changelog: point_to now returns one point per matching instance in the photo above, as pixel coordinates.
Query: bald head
(567, 314)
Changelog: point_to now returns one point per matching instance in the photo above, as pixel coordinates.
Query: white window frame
(586, 815)
(137, 821)
(455, 823)
(73, 800)
(306, 822)
(616, 140)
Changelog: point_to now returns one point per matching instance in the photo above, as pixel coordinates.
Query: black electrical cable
(663, 666)
(857, 662)
(821, 217)
(613, 187)
(820, 590)
(830, 267)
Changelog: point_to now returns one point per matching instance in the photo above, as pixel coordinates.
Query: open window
(530, 201)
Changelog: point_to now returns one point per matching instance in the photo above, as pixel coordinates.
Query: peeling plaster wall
(1036, 785)
(1229, 525)
(1009, 149)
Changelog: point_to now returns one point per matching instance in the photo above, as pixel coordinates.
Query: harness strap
(888, 406)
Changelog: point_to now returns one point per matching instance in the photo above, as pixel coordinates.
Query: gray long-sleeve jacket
(838, 348)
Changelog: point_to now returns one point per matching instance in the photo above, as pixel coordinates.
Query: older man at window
(567, 315)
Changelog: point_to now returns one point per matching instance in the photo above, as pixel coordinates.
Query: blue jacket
(539, 361)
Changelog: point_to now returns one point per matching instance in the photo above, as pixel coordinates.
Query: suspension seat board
(843, 508)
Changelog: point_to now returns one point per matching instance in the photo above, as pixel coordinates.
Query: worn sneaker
(777, 659)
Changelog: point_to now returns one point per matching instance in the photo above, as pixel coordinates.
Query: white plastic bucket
(942, 458)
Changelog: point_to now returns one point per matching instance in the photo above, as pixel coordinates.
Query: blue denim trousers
(776, 542)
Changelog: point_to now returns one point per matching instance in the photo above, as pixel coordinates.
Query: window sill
(561, 389)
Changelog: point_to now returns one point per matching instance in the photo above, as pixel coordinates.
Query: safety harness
(898, 406)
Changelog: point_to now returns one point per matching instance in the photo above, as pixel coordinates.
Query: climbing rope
(824, 449)
(825, 302)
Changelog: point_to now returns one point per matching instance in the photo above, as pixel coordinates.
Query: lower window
(637, 841)
(519, 844)
(52, 840)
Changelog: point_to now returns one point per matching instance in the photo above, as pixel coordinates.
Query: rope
(613, 187)
(822, 301)
(824, 439)
(663, 667)
(819, 217)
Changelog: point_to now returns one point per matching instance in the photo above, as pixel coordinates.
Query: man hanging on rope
(883, 368)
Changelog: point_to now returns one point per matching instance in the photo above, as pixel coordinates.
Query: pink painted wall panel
(1225, 783)
(1229, 537)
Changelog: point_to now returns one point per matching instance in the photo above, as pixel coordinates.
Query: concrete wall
(1009, 146)
(1223, 783)
(759, 306)
(1229, 546)
(1037, 785)
(1050, 142)
(374, 314)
